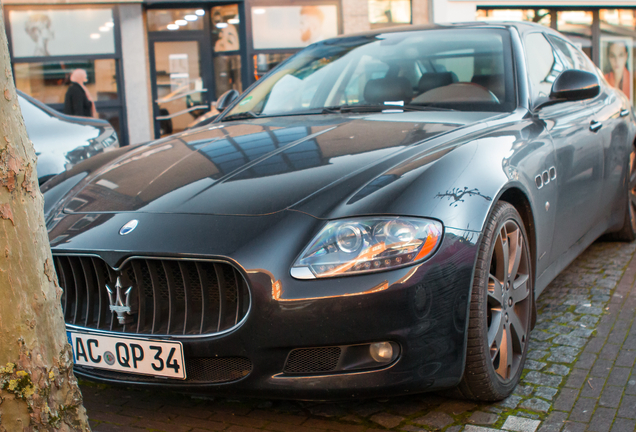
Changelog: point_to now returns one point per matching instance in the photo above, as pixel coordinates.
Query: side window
(544, 65)
(573, 58)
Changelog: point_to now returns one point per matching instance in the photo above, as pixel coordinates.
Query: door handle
(595, 126)
(624, 113)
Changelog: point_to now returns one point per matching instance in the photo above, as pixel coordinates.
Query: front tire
(500, 308)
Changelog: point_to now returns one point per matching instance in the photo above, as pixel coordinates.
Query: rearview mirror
(575, 85)
(226, 99)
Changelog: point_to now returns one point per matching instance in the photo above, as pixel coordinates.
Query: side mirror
(575, 85)
(226, 99)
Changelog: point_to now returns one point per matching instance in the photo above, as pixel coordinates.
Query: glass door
(180, 87)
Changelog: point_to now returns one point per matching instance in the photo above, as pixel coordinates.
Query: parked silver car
(60, 140)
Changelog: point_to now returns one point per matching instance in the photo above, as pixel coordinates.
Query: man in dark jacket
(78, 100)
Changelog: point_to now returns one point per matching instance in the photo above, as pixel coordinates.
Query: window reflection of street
(197, 170)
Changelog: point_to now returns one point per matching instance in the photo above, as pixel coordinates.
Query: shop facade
(604, 29)
(154, 66)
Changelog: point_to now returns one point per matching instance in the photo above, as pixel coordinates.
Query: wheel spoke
(495, 332)
(502, 253)
(519, 329)
(515, 242)
(520, 289)
(495, 290)
(505, 355)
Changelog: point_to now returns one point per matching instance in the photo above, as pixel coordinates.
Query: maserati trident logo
(128, 227)
(121, 303)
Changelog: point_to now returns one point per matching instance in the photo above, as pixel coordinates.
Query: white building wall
(134, 46)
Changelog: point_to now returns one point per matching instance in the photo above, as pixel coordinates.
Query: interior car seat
(494, 83)
(432, 80)
(388, 89)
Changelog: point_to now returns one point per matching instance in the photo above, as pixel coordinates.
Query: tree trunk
(37, 388)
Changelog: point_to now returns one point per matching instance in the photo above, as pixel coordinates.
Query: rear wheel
(500, 309)
(628, 231)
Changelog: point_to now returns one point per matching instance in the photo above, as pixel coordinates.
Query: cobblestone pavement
(579, 376)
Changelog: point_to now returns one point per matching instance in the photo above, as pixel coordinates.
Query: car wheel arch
(518, 198)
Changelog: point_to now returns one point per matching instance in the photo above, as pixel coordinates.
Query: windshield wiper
(352, 108)
(241, 116)
(422, 107)
(375, 108)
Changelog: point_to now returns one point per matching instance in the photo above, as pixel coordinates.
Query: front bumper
(422, 308)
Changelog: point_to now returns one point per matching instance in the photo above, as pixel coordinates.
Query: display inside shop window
(616, 62)
(48, 82)
(61, 32)
(618, 30)
(390, 11)
(225, 28)
(293, 26)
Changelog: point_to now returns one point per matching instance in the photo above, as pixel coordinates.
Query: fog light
(381, 352)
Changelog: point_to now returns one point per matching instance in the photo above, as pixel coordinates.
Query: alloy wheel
(509, 302)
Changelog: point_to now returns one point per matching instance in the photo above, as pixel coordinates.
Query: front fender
(459, 182)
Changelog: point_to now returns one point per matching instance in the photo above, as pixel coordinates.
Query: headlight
(363, 245)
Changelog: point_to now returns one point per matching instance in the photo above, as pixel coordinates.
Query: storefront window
(618, 30)
(179, 82)
(389, 12)
(225, 28)
(293, 26)
(263, 63)
(175, 19)
(577, 26)
(112, 116)
(48, 82)
(227, 74)
(540, 16)
(61, 32)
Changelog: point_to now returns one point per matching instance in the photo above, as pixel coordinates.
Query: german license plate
(136, 356)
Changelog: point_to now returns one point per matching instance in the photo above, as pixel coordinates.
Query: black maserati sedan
(376, 216)
(61, 141)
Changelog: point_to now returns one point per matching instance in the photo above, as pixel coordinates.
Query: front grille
(198, 370)
(312, 360)
(168, 297)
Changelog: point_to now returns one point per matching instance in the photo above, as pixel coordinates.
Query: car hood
(261, 166)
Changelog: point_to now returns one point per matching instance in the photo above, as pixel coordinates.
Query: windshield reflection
(466, 69)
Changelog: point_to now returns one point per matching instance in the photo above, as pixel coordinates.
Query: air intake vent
(215, 369)
(168, 297)
(312, 360)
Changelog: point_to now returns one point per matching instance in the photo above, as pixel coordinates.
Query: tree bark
(37, 388)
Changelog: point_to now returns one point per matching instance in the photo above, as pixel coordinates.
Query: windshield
(463, 69)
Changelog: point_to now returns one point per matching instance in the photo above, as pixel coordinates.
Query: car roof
(521, 26)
